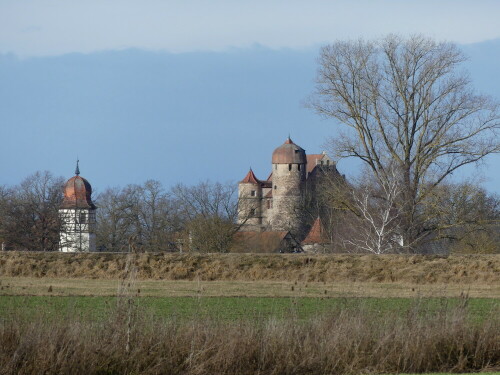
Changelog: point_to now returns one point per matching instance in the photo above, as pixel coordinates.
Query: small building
(316, 240)
(77, 214)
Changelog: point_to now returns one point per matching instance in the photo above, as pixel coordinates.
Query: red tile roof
(250, 178)
(312, 161)
(289, 153)
(316, 234)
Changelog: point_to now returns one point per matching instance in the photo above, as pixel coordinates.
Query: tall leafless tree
(405, 104)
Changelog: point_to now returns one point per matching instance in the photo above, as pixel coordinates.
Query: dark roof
(77, 194)
(312, 161)
(289, 153)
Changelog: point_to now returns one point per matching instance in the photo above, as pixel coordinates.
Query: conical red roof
(316, 234)
(250, 178)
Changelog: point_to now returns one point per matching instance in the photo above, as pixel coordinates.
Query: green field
(232, 308)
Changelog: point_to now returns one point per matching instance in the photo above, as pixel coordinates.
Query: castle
(273, 214)
(278, 204)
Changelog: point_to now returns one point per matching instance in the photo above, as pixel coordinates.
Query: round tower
(288, 185)
(77, 215)
(249, 203)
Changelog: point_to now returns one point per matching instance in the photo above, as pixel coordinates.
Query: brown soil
(477, 269)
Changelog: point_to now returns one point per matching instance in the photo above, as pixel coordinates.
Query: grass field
(209, 314)
(223, 308)
(60, 286)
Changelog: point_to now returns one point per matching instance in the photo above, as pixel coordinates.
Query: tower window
(298, 167)
(275, 187)
(83, 218)
(289, 167)
(252, 193)
(276, 166)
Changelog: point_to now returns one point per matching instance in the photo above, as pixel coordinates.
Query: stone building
(278, 203)
(77, 215)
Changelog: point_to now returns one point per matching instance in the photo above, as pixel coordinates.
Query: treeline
(146, 217)
(362, 216)
(357, 216)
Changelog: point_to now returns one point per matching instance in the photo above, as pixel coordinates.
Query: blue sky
(184, 91)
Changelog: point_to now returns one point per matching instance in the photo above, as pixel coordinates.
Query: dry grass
(477, 269)
(59, 286)
(343, 342)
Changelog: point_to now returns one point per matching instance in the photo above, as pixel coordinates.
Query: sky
(185, 91)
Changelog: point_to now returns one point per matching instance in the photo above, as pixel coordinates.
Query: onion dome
(77, 192)
(250, 178)
(289, 153)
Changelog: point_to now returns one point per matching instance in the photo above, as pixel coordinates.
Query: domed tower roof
(289, 153)
(77, 192)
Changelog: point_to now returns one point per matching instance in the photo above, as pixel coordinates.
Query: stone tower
(77, 215)
(249, 204)
(288, 185)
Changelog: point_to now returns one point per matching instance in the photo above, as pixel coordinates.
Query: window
(83, 218)
(321, 162)
(328, 162)
(252, 212)
(275, 187)
(298, 167)
(252, 193)
(276, 166)
(289, 167)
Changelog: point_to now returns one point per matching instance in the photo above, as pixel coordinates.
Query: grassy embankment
(179, 314)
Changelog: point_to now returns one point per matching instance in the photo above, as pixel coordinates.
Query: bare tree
(144, 212)
(209, 211)
(376, 218)
(30, 218)
(404, 104)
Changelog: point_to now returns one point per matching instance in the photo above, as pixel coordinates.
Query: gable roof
(316, 234)
(312, 161)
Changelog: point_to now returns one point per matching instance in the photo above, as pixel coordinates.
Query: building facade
(78, 216)
(278, 203)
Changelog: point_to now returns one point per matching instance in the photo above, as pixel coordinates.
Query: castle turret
(77, 215)
(249, 204)
(288, 185)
